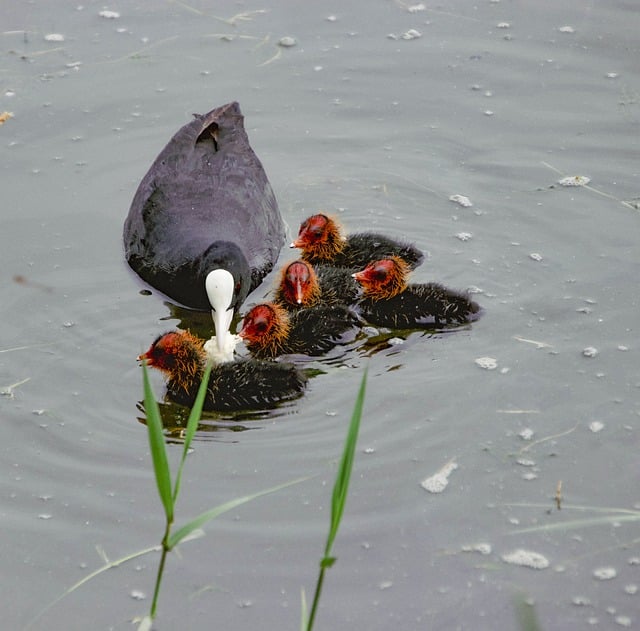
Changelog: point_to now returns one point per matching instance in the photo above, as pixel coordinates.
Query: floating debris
(287, 41)
(612, 75)
(526, 558)
(54, 37)
(464, 236)
(605, 573)
(488, 363)
(581, 601)
(415, 8)
(331, 18)
(136, 594)
(5, 116)
(526, 434)
(574, 180)
(534, 342)
(534, 256)
(503, 25)
(623, 348)
(482, 548)
(109, 15)
(488, 112)
(596, 426)
(411, 34)
(440, 480)
(461, 200)
(631, 589)
(590, 351)
(8, 390)
(567, 29)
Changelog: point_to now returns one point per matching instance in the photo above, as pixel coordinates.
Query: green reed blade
(341, 486)
(176, 537)
(304, 612)
(192, 426)
(339, 496)
(157, 446)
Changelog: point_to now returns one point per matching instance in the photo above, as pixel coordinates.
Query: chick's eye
(380, 273)
(261, 326)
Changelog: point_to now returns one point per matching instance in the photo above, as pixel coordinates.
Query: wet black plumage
(204, 204)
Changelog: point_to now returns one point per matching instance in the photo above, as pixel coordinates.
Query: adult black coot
(204, 226)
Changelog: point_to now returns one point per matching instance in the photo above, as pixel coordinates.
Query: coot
(246, 384)
(322, 240)
(269, 330)
(303, 285)
(389, 301)
(204, 226)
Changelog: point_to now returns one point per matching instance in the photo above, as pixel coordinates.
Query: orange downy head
(385, 278)
(299, 284)
(265, 325)
(179, 354)
(320, 236)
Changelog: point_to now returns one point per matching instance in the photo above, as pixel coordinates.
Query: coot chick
(247, 384)
(303, 285)
(322, 241)
(389, 301)
(204, 226)
(269, 330)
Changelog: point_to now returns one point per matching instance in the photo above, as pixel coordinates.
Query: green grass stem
(339, 497)
(157, 446)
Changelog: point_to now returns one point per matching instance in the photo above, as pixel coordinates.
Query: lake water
(379, 113)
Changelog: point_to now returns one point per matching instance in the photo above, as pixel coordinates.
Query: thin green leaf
(175, 538)
(570, 507)
(579, 523)
(304, 613)
(157, 446)
(192, 426)
(527, 619)
(145, 624)
(92, 575)
(341, 486)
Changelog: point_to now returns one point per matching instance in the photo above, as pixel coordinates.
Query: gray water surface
(496, 101)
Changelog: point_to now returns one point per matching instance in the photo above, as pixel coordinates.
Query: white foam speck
(526, 558)
(488, 363)
(605, 573)
(482, 548)
(287, 41)
(574, 180)
(590, 351)
(411, 34)
(54, 37)
(438, 482)
(461, 200)
(109, 15)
